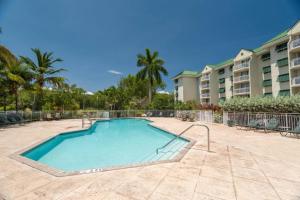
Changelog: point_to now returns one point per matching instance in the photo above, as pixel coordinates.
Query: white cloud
(89, 93)
(115, 72)
(163, 92)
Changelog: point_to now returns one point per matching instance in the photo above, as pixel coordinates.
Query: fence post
(286, 120)
(248, 120)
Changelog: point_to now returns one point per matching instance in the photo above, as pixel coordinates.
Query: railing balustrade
(241, 78)
(296, 81)
(295, 62)
(241, 66)
(242, 90)
(295, 43)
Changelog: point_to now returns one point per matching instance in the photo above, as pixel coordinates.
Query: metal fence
(285, 120)
(197, 115)
(201, 115)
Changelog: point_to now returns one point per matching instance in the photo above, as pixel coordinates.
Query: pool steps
(168, 152)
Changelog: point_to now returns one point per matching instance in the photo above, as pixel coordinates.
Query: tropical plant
(162, 102)
(13, 74)
(152, 67)
(44, 72)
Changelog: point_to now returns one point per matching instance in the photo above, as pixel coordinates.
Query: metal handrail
(185, 130)
(88, 118)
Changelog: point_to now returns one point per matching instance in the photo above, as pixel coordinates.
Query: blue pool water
(108, 143)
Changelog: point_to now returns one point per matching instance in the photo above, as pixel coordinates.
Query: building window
(176, 81)
(283, 78)
(281, 47)
(266, 56)
(222, 80)
(283, 62)
(230, 68)
(268, 94)
(284, 93)
(222, 99)
(221, 90)
(221, 71)
(267, 83)
(267, 69)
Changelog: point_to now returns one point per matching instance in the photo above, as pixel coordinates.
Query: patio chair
(48, 117)
(57, 116)
(295, 131)
(253, 124)
(149, 114)
(191, 117)
(272, 125)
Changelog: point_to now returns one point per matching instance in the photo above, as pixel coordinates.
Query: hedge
(280, 104)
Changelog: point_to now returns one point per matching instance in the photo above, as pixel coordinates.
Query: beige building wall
(239, 79)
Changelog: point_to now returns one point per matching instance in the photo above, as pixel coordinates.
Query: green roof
(186, 73)
(224, 63)
(279, 36)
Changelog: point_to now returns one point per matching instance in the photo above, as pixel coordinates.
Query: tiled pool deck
(242, 165)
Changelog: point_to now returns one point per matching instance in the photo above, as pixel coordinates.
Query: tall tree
(44, 73)
(13, 73)
(152, 67)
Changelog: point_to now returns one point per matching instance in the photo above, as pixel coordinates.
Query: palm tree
(152, 69)
(13, 74)
(43, 73)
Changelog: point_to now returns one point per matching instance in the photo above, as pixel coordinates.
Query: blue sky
(99, 38)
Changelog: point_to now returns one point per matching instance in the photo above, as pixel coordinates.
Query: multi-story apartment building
(273, 69)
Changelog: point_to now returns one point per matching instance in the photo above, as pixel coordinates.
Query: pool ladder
(177, 136)
(86, 118)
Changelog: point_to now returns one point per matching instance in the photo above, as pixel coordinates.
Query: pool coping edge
(60, 173)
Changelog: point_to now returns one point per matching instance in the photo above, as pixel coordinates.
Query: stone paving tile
(286, 187)
(250, 190)
(253, 156)
(184, 171)
(17, 183)
(217, 173)
(252, 174)
(139, 188)
(54, 189)
(115, 196)
(237, 163)
(215, 188)
(176, 188)
(198, 196)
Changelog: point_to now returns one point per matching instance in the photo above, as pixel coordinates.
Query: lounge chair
(295, 131)
(272, 124)
(191, 116)
(57, 116)
(49, 116)
(253, 124)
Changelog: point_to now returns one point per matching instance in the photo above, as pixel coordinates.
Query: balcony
(222, 95)
(205, 87)
(295, 63)
(241, 66)
(205, 77)
(241, 91)
(296, 81)
(243, 78)
(295, 44)
(205, 95)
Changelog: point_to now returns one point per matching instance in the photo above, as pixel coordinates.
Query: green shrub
(281, 104)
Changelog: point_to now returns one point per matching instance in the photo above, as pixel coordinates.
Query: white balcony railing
(205, 77)
(241, 78)
(241, 66)
(205, 95)
(295, 62)
(205, 86)
(244, 90)
(295, 44)
(222, 95)
(296, 81)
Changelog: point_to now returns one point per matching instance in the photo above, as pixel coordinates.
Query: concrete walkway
(243, 165)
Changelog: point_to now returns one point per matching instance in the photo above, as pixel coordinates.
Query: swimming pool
(107, 144)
